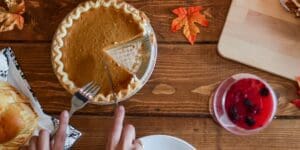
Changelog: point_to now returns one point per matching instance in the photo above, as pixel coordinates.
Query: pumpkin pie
(84, 43)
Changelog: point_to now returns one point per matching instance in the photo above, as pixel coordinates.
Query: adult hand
(42, 142)
(122, 137)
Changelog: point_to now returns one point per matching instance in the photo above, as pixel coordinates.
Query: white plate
(165, 142)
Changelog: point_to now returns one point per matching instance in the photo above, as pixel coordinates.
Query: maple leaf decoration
(11, 17)
(187, 19)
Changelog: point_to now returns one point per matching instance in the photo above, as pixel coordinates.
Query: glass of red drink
(243, 104)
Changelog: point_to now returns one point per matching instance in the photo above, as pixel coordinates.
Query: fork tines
(89, 90)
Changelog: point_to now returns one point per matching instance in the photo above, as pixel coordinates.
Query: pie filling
(84, 53)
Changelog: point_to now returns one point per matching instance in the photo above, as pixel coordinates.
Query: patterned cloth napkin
(10, 71)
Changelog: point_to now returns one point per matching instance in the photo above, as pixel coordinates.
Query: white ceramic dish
(165, 142)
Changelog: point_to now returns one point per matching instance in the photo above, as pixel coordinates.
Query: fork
(83, 96)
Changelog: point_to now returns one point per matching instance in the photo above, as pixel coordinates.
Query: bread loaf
(17, 119)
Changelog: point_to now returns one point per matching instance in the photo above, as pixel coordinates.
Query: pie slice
(85, 40)
(127, 54)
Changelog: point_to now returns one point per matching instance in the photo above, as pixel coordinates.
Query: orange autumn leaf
(187, 19)
(13, 16)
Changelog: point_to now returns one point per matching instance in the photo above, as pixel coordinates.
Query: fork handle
(71, 112)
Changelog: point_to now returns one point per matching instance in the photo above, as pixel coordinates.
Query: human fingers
(137, 145)
(60, 136)
(128, 136)
(33, 143)
(43, 140)
(116, 130)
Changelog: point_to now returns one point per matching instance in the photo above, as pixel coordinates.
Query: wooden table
(175, 99)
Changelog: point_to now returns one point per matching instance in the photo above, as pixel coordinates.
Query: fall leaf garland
(186, 19)
(11, 17)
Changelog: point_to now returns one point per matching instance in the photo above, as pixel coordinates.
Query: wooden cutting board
(262, 34)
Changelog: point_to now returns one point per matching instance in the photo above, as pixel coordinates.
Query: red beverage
(243, 104)
(249, 103)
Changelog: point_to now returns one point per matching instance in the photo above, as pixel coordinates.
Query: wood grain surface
(203, 133)
(175, 100)
(180, 85)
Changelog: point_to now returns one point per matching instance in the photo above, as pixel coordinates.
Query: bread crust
(17, 119)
